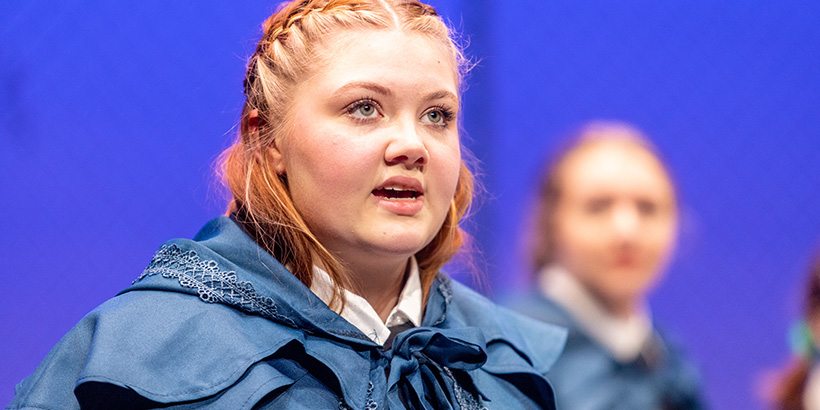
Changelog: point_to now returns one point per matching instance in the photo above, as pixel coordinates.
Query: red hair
(289, 48)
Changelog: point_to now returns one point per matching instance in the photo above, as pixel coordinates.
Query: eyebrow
(378, 89)
(441, 95)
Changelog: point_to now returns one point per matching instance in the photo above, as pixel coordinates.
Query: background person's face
(615, 220)
(373, 156)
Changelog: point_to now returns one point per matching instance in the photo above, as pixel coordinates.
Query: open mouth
(397, 194)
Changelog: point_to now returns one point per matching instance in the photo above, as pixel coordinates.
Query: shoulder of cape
(509, 334)
(171, 347)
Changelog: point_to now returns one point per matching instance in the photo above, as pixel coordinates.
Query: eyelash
(446, 112)
(355, 105)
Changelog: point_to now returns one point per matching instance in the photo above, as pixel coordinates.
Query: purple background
(111, 117)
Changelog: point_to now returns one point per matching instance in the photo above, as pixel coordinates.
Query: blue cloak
(588, 377)
(216, 322)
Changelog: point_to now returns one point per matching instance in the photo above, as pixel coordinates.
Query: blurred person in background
(798, 387)
(606, 222)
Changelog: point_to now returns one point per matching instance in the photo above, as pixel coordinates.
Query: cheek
(661, 240)
(330, 163)
(578, 241)
(451, 176)
(445, 170)
(315, 148)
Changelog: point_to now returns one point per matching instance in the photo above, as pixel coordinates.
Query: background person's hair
(541, 237)
(291, 46)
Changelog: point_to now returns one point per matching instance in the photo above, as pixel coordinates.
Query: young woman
(799, 386)
(606, 224)
(321, 288)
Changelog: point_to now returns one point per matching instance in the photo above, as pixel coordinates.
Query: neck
(561, 285)
(380, 284)
(619, 307)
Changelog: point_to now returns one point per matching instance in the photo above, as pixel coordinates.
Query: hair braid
(289, 49)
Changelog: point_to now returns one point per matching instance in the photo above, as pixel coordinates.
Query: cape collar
(624, 338)
(222, 264)
(460, 331)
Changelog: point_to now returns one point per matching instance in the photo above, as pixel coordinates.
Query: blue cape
(588, 376)
(217, 322)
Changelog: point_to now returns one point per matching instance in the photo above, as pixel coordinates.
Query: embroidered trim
(466, 401)
(352, 334)
(370, 404)
(446, 289)
(212, 284)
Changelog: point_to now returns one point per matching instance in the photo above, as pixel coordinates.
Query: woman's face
(372, 157)
(615, 220)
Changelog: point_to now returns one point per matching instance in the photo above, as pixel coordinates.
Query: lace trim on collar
(212, 284)
(446, 289)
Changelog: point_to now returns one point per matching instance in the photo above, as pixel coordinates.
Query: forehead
(614, 168)
(387, 55)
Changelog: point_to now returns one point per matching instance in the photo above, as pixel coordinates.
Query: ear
(273, 151)
(253, 122)
(276, 158)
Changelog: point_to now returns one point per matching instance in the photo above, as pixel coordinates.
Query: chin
(401, 243)
(629, 291)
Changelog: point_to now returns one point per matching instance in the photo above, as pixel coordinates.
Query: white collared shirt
(623, 337)
(358, 311)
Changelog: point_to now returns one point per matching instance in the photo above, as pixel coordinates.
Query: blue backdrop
(111, 117)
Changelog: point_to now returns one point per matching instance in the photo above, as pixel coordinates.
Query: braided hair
(292, 44)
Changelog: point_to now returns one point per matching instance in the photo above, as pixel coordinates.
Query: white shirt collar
(623, 337)
(359, 313)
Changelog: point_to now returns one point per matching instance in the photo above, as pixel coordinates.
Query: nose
(406, 147)
(626, 221)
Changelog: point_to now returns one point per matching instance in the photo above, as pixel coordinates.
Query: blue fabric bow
(421, 363)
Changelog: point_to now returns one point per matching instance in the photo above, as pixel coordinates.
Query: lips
(395, 193)
(402, 196)
(399, 188)
(625, 260)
